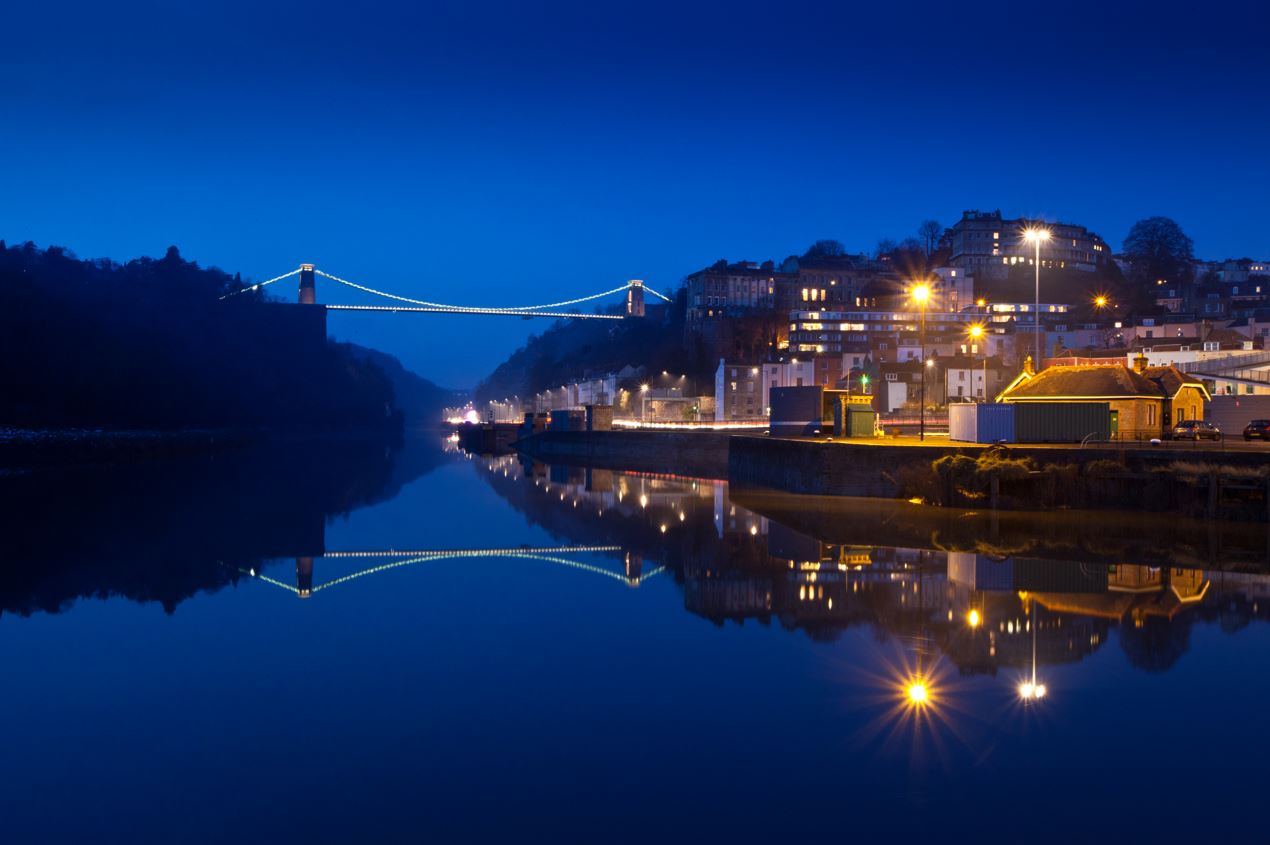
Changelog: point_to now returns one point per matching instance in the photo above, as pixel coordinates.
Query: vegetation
(150, 344)
(1157, 248)
(575, 349)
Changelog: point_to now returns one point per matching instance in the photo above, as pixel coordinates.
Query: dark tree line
(150, 344)
(569, 350)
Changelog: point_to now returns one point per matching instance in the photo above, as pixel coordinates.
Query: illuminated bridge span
(304, 587)
(634, 291)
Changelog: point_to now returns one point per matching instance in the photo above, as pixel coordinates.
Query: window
(890, 376)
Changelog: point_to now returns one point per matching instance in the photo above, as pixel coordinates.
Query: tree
(884, 248)
(1157, 248)
(928, 233)
(825, 249)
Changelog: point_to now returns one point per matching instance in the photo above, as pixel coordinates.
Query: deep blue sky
(512, 153)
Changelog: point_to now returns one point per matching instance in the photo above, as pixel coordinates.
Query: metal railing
(1226, 364)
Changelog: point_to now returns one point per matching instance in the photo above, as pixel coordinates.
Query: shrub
(1104, 467)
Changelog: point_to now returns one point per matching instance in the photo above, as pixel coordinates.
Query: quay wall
(1127, 478)
(871, 468)
(700, 453)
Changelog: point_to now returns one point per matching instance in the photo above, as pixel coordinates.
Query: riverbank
(1199, 480)
(700, 453)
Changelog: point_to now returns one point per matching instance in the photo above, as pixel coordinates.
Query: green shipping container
(854, 421)
(1061, 422)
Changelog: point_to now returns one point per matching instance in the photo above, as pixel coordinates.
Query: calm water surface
(269, 647)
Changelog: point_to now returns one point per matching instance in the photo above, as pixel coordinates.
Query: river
(349, 643)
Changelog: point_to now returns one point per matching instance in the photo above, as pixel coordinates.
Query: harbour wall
(1201, 481)
(699, 453)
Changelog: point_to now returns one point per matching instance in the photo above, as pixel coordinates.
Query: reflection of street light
(921, 294)
(974, 619)
(1030, 690)
(1036, 235)
(917, 692)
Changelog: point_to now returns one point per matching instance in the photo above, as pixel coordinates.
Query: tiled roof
(1170, 379)
(1059, 382)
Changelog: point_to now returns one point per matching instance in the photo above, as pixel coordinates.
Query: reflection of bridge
(632, 574)
(634, 291)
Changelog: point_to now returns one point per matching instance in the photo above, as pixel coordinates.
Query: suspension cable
(259, 285)
(469, 308)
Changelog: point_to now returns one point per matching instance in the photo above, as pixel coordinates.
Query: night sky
(517, 153)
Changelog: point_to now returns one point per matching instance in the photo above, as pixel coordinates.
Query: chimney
(1029, 367)
(1140, 363)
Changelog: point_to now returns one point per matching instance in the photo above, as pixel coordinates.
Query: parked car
(1257, 430)
(1196, 430)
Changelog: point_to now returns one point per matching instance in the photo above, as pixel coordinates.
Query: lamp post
(643, 402)
(1036, 235)
(921, 295)
(976, 333)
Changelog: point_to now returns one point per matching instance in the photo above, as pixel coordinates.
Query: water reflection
(164, 531)
(986, 593)
(473, 620)
(982, 598)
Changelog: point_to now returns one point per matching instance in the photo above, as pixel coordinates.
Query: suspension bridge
(308, 274)
(387, 560)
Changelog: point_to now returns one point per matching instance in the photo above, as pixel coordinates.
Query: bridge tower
(304, 574)
(308, 288)
(634, 568)
(635, 298)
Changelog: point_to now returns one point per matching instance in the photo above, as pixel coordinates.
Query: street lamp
(1037, 235)
(643, 402)
(976, 334)
(921, 295)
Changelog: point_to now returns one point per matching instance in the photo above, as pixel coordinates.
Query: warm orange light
(920, 294)
(1100, 302)
(973, 619)
(1036, 234)
(975, 331)
(918, 693)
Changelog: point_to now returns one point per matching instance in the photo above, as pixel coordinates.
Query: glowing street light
(974, 619)
(976, 333)
(1037, 234)
(921, 295)
(917, 693)
(1100, 302)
